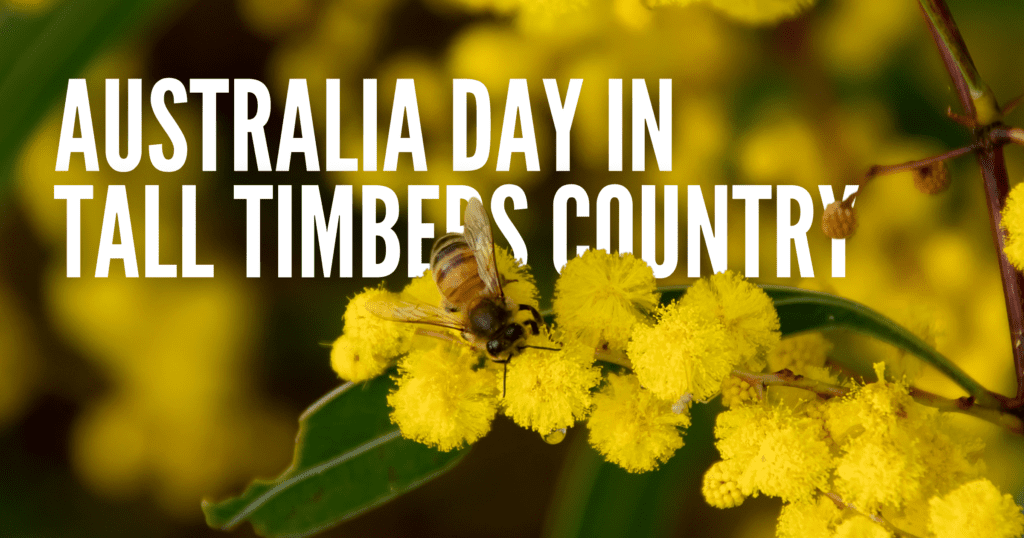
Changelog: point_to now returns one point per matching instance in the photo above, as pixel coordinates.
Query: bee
(474, 301)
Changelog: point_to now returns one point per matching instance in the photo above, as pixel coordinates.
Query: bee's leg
(504, 374)
(536, 322)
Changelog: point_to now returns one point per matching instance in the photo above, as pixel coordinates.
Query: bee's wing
(478, 236)
(408, 312)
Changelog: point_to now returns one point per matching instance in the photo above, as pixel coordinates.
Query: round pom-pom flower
(808, 519)
(441, 401)
(632, 428)
(685, 352)
(1013, 223)
(745, 310)
(550, 390)
(517, 282)
(975, 509)
(775, 451)
(600, 297)
(369, 343)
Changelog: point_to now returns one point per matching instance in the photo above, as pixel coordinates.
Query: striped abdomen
(455, 271)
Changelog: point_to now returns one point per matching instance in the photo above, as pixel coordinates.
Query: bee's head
(504, 344)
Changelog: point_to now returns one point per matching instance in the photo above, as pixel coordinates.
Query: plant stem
(786, 378)
(1001, 134)
(980, 104)
(975, 96)
(993, 170)
(881, 170)
(967, 406)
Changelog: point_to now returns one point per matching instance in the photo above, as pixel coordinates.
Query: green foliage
(349, 458)
(41, 52)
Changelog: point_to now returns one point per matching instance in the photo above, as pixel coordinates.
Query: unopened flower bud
(839, 221)
(932, 179)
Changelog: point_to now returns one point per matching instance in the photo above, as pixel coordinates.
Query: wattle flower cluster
(874, 452)
(629, 367)
(658, 359)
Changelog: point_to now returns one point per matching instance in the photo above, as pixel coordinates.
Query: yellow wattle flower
(440, 400)
(369, 343)
(550, 390)
(599, 297)
(632, 428)
(975, 509)
(1013, 223)
(746, 312)
(814, 518)
(685, 352)
(775, 451)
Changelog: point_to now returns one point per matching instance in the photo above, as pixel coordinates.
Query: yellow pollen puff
(779, 453)
(440, 400)
(839, 221)
(720, 488)
(1013, 223)
(422, 289)
(599, 297)
(889, 447)
(975, 509)
(686, 351)
(549, 390)
(518, 283)
(369, 343)
(632, 428)
(353, 362)
(808, 519)
(746, 312)
(798, 351)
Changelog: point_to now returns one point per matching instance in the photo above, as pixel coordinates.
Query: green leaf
(349, 458)
(805, 310)
(40, 52)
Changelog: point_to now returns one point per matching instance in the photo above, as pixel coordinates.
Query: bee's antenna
(504, 379)
(545, 348)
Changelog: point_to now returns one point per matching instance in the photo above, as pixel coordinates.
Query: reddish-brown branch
(886, 169)
(981, 106)
(993, 171)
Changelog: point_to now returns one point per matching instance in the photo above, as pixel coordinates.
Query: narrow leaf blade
(349, 458)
